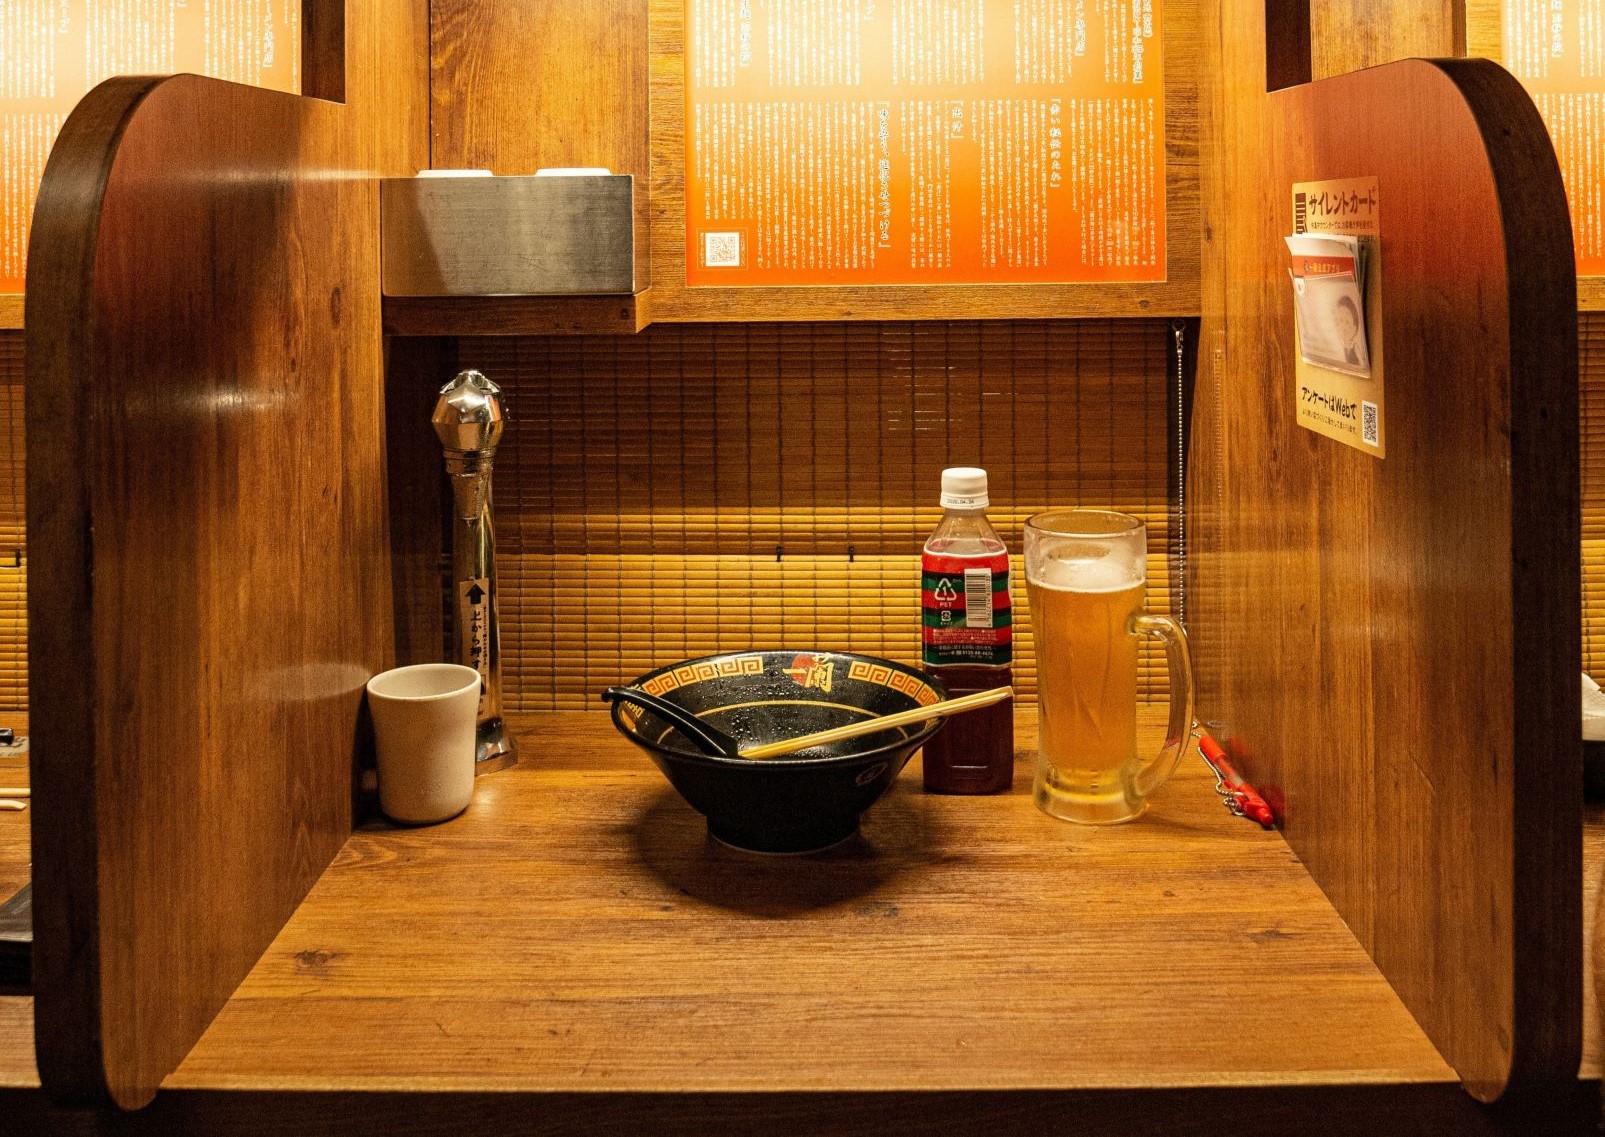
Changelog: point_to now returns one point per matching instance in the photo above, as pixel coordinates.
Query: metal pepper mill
(468, 420)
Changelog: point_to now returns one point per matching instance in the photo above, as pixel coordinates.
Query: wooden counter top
(16, 1015)
(13, 825)
(577, 931)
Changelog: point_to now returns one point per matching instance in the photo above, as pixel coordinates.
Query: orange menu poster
(835, 142)
(53, 51)
(1557, 49)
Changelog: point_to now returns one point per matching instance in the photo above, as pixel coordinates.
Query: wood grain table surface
(577, 930)
(13, 826)
(16, 1014)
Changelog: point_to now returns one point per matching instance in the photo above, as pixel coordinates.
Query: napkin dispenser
(520, 236)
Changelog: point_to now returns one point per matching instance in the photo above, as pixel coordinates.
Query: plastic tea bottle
(968, 639)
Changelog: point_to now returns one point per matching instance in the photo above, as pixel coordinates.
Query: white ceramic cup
(424, 722)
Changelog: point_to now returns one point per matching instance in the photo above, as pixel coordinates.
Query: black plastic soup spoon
(709, 739)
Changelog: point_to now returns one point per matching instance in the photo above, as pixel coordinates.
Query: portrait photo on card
(1329, 302)
(1332, 324)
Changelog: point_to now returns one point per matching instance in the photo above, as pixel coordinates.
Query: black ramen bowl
(803, 801)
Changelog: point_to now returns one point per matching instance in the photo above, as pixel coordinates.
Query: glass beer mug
(1086, 575)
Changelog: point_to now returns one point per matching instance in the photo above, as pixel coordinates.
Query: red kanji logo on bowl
(812, 671)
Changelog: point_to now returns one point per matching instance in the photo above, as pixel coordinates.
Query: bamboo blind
(13, 571)
(1591, 379)
(813, 439)
(706, 488)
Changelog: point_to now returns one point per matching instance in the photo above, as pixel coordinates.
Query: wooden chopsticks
(880, 723)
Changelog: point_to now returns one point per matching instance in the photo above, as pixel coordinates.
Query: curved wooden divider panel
(1390, 645)
(207, 517)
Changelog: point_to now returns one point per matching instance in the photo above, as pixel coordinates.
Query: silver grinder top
(468, 419)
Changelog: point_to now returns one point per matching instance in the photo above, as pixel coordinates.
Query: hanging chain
(1178, 331)
(1231, 798)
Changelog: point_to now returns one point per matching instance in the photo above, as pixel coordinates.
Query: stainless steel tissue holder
(511, 236)
(468, 420)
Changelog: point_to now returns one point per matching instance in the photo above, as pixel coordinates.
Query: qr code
(1370, 434)
(721, 250)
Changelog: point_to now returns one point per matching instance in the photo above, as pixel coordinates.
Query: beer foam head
(1088, 574)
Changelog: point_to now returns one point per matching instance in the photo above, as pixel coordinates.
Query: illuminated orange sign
(1557, 49)
(56, 50)
(924, 141)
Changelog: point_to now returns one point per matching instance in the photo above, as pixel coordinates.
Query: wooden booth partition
(1389, 644)
(214, 585)
(207, 508)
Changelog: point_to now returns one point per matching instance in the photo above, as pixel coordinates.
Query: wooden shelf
(577, 931)
(516, 315)
(10, 310)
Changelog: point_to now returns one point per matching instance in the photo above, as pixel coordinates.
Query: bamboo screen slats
(812, 438)
(13, 571)
(1591, 378)
(697, 489)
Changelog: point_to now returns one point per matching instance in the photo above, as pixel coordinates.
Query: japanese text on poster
(53, 51)
(924, 141)
(1557, 49)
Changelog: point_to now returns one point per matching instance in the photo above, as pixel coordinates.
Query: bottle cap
(964, 487)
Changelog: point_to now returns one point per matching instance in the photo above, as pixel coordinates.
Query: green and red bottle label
(968, 620)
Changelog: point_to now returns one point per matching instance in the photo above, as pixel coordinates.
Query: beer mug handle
(1180, 731)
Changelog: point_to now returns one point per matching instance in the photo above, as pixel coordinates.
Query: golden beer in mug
(1086, 577)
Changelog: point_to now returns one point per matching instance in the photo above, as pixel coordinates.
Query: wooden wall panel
(1389, 644)
(204, 351)
(1484, 28)
(1346, 35)
(522, 84)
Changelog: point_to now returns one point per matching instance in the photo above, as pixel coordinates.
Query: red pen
(1240, 797)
